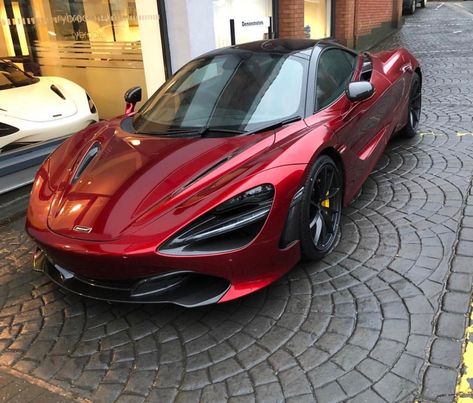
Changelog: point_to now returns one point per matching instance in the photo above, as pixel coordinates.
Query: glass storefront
(105, 46)
(251, 19)
(317, 18)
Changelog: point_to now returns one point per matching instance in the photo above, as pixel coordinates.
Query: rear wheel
(423, 3)
(321, 208)
(415, 108)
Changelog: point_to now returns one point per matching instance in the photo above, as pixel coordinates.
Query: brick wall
(353, 18)
(358, 18)
(291, 18)
(345, 21)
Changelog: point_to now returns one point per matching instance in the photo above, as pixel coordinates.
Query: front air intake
(86, 160)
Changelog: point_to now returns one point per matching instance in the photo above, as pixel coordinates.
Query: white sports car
(40, 108)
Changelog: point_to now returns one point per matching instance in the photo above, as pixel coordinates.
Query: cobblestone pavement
(380, 319)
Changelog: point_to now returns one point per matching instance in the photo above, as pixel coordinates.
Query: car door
(355, 125)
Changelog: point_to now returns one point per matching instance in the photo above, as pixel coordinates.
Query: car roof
(279, 46)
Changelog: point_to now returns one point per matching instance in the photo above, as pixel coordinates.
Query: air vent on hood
(5, 129)
(93, 151)
(57, 91)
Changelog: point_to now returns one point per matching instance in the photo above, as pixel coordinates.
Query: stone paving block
(460, 282)
(107, 392)
(195, 379)
(324, 373)
(140, 382)
(457, 302)
(130, 399)
(446, 352)
(451, 325)
(354, 382)
(408, 367)
(466, 234)
(164, 395)
(372, 369)
(240, 385)
(262, 374)
(468, 222)
(439, 383)
(465, 248)
(270, 392)
(294, 382)
(394, 388)
(308, 398)
(462, 264)
(331, 392)
(368, 396)
(215, 393)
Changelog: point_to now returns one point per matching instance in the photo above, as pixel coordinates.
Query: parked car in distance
(409, 6)
(237, 167)
(35, 109)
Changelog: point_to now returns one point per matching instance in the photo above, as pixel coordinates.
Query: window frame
(313, 82)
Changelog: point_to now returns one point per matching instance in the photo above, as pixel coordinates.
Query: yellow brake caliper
(326, 203)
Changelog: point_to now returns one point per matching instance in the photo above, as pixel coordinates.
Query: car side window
(334, 72)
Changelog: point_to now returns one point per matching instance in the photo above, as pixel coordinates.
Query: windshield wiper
(276, 125)
(192, 132)
(177, 132)
(207, 129)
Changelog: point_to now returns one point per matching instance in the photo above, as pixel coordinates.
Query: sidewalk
(16, 389)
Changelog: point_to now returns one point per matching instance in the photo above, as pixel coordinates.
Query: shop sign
(251, 29)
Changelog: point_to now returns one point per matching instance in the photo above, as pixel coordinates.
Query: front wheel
(321, 208)
(423, 3)
(412, 7)
(415, 108)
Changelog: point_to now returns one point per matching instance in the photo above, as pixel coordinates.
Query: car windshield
(239, 92)
(11, 76)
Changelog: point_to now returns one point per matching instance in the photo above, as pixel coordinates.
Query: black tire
(412, 7)
(321, 208)
(423, 3)
(414, 108)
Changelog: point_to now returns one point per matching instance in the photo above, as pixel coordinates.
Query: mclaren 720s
(234, 170)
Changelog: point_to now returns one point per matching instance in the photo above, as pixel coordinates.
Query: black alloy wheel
(321, 208)
(412, 7)
(415, 107)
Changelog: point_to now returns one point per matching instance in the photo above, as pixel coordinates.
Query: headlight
(5, 129)
(92, 107)
(229, 226)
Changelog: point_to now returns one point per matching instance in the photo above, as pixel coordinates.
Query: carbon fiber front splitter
(182, 288)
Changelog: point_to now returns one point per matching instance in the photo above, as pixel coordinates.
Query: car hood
(133, 174)
(37, 102)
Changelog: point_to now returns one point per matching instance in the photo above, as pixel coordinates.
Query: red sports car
(237, 167)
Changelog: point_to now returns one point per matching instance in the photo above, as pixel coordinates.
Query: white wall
(241, 10)
(151, 44)
(190, 29)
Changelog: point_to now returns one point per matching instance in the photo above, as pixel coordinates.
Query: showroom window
(105, 46)
(318, 18)
(251, 19)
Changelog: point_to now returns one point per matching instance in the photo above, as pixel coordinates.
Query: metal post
(232, 32)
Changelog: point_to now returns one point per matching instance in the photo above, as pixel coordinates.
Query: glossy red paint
(141, 190)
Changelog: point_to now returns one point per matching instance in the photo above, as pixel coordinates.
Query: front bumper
(184, 288)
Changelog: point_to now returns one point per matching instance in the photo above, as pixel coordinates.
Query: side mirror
(359, 91)
(132, 97)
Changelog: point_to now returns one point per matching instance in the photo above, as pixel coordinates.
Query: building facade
(107, 46)
(354, 23)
